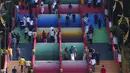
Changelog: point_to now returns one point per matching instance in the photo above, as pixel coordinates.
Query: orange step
(110, 65)
(11, 65)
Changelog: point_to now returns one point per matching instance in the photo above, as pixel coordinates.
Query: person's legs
(29, 38)
(89, 5)
(56, 11)
(25, 35)
(74, 20)
(21, 68)
(70, 11)
(72, 56)
(90, 40)
(97, 61)
(99, 25)
(10, 57)
(93, 68)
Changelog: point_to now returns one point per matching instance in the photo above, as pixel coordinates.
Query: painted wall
(68, 34)
(52, 19)
(64, 1)
(50, 51)
(63, 9)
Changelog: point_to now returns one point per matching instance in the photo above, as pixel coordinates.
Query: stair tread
(11, 65)
(110, 65)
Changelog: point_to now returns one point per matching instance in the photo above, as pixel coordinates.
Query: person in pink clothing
(42, 7)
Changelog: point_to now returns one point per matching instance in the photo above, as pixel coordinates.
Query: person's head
(66, 49)
(71, 46)
(52, 29)
(43, 31)
(103, 66)
(14, 67)
(70, 2)
(50, 25)
(93, 50)
(87, 14)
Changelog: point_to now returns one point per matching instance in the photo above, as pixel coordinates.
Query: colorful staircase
(49, 55)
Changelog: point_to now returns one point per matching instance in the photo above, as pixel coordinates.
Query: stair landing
(11, 65)
(110, 65)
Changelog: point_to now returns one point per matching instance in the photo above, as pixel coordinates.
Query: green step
(50, 51)
(64, 1)
(100, 35)
(22, 40)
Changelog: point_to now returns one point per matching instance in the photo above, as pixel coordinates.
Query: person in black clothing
(74, 17)
(56, 8)
(49, 7)
(95, 18)
(94, 54)
(14, 70)
(67, 20)
(70, 8)
(18, 39)
(94, 3)
(99, 23)
(97, 58)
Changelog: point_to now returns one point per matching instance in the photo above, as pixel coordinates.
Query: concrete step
(110, 65)
(11, 65)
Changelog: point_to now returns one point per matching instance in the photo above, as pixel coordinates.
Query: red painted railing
(34, 42)
(85, 38)
(111, 40)
(60, 39)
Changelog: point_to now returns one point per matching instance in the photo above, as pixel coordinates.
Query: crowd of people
(52, 36)
(27, 25)
(70, 54)
(94, 3)
(89, 29)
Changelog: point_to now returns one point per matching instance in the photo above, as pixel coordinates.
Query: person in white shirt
(54, 3)
(98, 3)
(28, 20)
(89, 3)
(42, 7)
(115, 41)
(36, 3)
(119, 58)
(86, 29)
(31, 25)
(17, 8)
(52, 35)
(86, 20)
(56, 36)
(51, 28)
(28, 64)
(93, 63)
(30, 34)
(24, 22)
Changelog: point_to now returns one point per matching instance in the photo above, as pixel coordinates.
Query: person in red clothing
(103, 70)
(44, 36)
